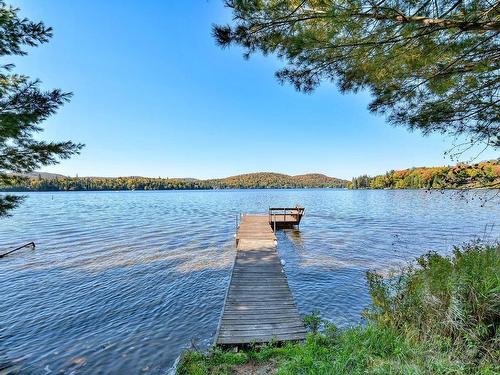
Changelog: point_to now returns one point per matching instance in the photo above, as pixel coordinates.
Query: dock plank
(259, 305)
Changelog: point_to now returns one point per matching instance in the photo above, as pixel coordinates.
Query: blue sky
(154, 96)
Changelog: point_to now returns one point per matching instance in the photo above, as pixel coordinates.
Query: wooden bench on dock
(259, 306)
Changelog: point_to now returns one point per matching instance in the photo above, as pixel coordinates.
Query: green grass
(439, 317)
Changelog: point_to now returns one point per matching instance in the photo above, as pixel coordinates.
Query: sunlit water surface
(121, 282)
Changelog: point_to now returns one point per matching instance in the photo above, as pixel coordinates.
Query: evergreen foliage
(24, 106)
(429, 65)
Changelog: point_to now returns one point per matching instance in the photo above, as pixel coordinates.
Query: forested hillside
(485, 174)
(278, 180)
(245, 181)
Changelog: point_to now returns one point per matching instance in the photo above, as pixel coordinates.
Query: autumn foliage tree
(485, 174)
(430, 65)
(24, 106)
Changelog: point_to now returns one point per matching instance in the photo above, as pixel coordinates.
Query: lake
(122, 282)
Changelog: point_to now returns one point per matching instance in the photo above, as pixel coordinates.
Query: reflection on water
(296, 238)
(121, 282)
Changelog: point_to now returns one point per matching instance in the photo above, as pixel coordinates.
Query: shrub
(456, 298)
(313, 321)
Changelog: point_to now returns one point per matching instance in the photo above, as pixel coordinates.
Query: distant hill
(278, 180)
(318, 179)
(263, 180)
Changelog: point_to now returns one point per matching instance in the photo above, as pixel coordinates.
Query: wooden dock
(259, 306)
(281, 218)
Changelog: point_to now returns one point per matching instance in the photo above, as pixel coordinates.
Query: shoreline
(404, 333)
(462, 189)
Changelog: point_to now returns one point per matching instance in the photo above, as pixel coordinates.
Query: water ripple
(121, 282)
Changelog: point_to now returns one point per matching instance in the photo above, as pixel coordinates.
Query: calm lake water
(121, 282)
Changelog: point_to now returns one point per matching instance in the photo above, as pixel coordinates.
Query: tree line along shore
(480, 175)
(485, 174)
